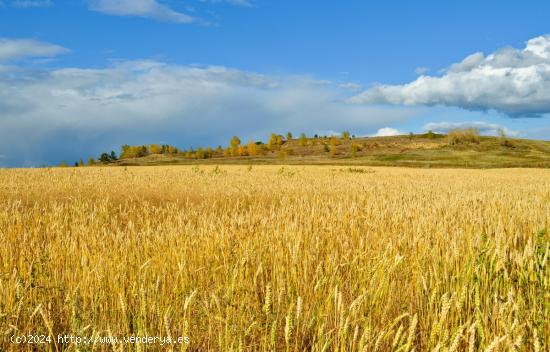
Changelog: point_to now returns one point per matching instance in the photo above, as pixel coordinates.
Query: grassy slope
(418, 151)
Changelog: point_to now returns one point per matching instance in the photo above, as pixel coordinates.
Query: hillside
(415, 151)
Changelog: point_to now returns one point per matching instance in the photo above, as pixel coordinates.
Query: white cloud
(140, 8)
(351, 86)
(387, 132)
(485, 128)
(512, 81)
(421, 70)
(19, 48)
(68, 113)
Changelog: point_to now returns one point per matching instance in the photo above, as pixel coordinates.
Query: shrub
(466, 135)
(334, 141)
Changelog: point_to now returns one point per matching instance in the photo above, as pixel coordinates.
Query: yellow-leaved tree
(154, 149)
(234, 145)
(252, 149)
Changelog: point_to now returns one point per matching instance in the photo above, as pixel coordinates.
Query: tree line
(236, 148)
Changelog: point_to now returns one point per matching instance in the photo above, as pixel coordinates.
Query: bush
(466, 135)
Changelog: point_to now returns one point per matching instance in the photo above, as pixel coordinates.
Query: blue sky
(80, 77)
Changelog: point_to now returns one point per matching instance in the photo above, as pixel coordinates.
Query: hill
(423, 150)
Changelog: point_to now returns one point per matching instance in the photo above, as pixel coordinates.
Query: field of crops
(276, 258)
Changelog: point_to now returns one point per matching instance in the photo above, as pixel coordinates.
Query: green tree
(105, 158)
(288, 136)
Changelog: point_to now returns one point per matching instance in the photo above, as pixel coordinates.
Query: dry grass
(271, 258)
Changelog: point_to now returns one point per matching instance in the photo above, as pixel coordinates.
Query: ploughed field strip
(278, 257)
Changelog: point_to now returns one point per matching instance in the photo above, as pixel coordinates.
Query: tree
(155, 149)
(242, 151)
(63, 164)
(91, 161)
(113, 156)
(200, 153)
(345, 135)
(104, 158)
(326, 149)
(275, 141)
(81, 162)
(288, 136)
(235, 142)
(303, 139)
(411, 135)
(252, 148)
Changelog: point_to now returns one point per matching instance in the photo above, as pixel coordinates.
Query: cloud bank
(140, 8)
(515, 82)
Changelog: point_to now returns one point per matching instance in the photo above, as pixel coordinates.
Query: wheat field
(262, 258)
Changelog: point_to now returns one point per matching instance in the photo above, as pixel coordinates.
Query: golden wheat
(276, 258)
